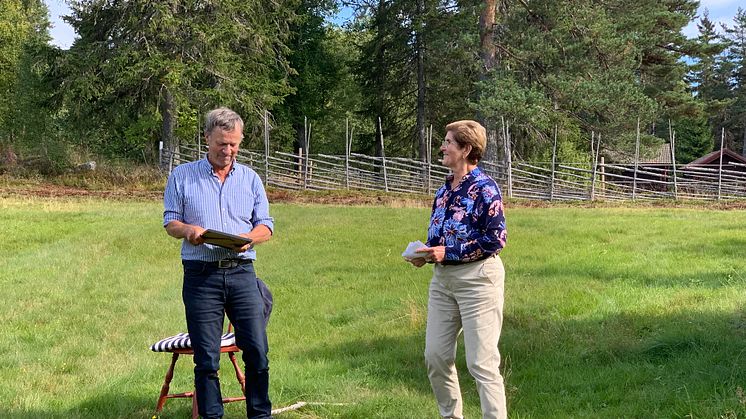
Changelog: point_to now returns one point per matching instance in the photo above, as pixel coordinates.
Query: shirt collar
(467, 177)
(207, 167)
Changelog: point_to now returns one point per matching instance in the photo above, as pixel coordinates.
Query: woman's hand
(418, 262)
(434, 254)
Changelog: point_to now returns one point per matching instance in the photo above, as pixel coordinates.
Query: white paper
(410, 253)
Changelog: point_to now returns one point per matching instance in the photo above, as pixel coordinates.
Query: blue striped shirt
(194, 195)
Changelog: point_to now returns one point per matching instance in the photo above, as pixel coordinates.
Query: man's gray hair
(222, 118)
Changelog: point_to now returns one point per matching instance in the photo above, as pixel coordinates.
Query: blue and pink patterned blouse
(468, 220)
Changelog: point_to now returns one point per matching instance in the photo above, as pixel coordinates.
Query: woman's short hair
(222, 118)
(468, 132)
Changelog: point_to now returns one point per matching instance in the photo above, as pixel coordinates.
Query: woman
(467, 231)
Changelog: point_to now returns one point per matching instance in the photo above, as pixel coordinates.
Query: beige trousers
(466, 297)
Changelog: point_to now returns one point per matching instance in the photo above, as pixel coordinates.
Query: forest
(142, 73)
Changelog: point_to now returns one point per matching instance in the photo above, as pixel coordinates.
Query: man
(221, 194)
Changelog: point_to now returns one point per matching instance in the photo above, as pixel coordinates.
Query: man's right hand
(194, 234)
(191, 233)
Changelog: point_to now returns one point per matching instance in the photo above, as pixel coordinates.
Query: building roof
(714, 158)
(662, 156)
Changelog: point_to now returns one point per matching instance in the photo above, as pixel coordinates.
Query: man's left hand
(241, 249)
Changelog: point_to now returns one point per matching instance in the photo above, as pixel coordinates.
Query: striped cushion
(181, 341)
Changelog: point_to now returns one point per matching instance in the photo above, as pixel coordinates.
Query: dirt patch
(340, 198)
(58, 191)
(348, 198)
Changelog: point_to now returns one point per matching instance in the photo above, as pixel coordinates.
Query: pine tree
(588, 66)
(14, 30)
(142, 64)
(705, 76)
(316, 72)
(28, 106)
(736, 54)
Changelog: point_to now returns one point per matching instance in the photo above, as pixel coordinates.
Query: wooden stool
(230, 348)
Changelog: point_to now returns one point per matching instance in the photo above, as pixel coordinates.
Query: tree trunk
(381, 18)
(487, 52)
(420, 51)
(487, 48)
(300, 136)
(168, 115)
(743, 136)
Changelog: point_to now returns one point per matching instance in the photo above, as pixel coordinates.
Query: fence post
(429, 158)
(673, 162)
(306, 142)
(383, 157)
(603, 177)
(637, 158)
(300, 165)
(671, 141)
(554, 161)
(720, 165)
(266, 147)
(595, 163)
(348, 145)
(508, 155)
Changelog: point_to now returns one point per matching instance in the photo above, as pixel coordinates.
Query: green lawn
(609, 312)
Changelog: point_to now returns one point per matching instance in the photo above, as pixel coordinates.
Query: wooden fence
(552, 181)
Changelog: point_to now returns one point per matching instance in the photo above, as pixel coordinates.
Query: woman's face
(453, 154)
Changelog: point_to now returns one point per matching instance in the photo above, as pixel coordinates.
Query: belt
(229, 263)
(458, 262)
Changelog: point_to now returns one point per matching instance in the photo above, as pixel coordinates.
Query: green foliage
(735, 120)
(394, 35)
(590, 65)
(319, 58)
(693, 139)
(145, 71)
(135, 57)
(28, 107)
(13, 32)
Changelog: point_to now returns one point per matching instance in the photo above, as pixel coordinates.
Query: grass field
(610, 312)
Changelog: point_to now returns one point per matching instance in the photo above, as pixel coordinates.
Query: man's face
(222, 146)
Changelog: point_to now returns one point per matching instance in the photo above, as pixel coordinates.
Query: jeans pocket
(193, 269)
(247, 267)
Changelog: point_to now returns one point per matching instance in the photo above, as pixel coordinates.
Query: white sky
(62, 34)
(721, 11)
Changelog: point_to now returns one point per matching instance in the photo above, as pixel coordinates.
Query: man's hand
(193, 234)
(247, 246)
(434, 254)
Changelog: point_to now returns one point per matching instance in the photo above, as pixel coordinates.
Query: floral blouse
(468, 220)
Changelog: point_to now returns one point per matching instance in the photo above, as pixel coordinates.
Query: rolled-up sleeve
(173, 201)
(261, 206)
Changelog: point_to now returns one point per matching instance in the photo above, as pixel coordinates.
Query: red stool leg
(239, 374)
(166, 385)
(195, 409)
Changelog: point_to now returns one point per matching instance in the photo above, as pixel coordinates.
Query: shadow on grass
(388, 361)
(628, 365)
(108, 405)
(393, 365)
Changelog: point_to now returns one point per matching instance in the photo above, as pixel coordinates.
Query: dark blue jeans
(208, 293)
